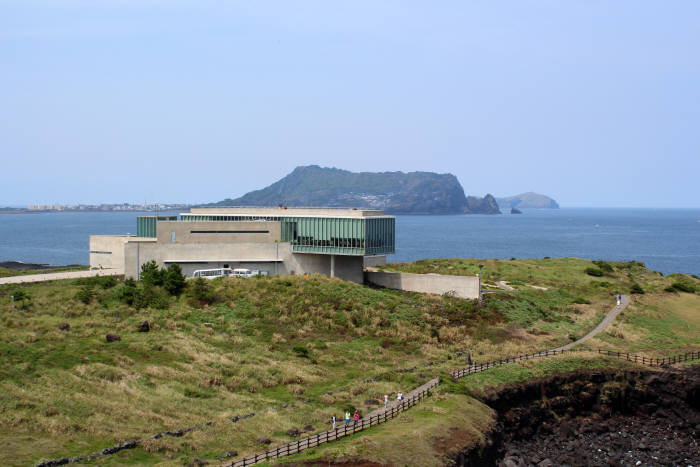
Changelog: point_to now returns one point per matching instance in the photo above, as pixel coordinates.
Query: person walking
(386, 400)
(333, 422)
(347, 417)
(356, 418)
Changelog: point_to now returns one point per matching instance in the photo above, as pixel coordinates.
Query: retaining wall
(461, 286)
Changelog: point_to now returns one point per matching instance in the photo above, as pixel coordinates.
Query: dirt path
(612, 314)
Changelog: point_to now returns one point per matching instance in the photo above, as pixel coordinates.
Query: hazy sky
(595, 103)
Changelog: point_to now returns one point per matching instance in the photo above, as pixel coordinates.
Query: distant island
(393, 192)
(527, 200)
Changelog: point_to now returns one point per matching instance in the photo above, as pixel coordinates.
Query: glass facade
(330, 235)
(146, 225)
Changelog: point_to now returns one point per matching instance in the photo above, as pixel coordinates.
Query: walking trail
(612, 314)
(54, 276)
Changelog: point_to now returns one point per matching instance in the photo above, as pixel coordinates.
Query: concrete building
(334, 242)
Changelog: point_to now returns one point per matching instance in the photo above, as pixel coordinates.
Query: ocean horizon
(665, 239)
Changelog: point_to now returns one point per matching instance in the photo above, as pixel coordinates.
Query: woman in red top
(356, 417)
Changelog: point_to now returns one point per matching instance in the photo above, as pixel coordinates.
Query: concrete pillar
(332, 265)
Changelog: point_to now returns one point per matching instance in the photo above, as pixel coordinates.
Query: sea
(666, 240)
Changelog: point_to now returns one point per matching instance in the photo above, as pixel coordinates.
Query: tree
(174, 280)
(150, 274)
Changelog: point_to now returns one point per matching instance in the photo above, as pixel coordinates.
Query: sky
(595, 103)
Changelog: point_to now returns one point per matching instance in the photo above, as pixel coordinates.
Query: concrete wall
(374, 261)
(183, 232)
(461, 286)
(107, 251)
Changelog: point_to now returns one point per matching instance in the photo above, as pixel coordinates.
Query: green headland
(295, 350)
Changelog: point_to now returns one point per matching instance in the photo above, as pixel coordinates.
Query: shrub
(174, 281)
(636, 289)
(106, 282)
(301, 351)
(201, 291)
(595, 272)
(126, 292)
(84, 294)
(684, 286)
(605, 267)
(22, 298)
(151, 296)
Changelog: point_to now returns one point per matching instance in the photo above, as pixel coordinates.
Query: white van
(213, 273)
(242, 272)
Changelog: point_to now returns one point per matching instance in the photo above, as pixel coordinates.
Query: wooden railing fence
(340, 432)
(485, 366)
(685, 357)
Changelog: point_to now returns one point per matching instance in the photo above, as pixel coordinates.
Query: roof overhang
(218, 260)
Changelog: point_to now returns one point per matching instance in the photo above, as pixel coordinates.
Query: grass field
(275, 346)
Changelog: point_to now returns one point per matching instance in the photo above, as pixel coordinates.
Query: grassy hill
(276, 346)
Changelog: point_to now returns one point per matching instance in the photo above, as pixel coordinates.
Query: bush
(84, 294)
(151, 296)
(636, 289)
(683, 286)
(174, 281)
(200, 290)
(301, 351)
(595, 272)
(126, 292)
(605, 267)
(22, 298)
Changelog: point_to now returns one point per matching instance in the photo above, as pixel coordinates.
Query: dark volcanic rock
(636, 417)
(112, 338)
(485, 205)
(264, 440)
(144, 327)
(515, 211)
(64, 327)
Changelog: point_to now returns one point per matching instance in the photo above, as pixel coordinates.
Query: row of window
(333, 242)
